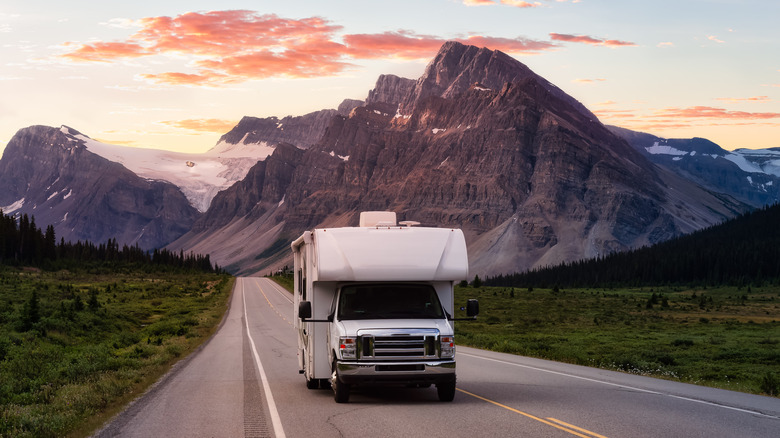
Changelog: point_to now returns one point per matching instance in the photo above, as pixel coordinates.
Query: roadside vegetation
(86, 328)
(725, 337)
(76, 346)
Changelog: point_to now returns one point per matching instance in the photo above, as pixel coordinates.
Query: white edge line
(625, 386)
(276, 421)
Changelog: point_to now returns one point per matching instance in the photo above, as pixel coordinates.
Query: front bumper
(417, 372)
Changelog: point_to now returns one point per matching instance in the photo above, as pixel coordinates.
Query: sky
(177, 75)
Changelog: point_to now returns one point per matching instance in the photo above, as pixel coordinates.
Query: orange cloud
(105, 52)
(478, 2)
(589, 81)
(401, 44)
(708, 112)
(745, 99)
(202, 125)
(509, 45)
(407, 45)
(237, 45)
(520, 4)
(589, 40)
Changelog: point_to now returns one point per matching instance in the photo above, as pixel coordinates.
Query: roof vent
(377, 219)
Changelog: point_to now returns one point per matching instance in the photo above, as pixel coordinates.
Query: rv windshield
(389, 301)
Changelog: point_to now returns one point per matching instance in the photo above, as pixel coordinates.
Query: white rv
(374, 304)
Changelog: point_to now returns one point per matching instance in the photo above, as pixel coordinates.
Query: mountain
(751, 176)
(51, 174)
(303, 130)
(478, 142)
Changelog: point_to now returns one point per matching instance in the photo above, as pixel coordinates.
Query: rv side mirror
(472, 308)
(304, 310)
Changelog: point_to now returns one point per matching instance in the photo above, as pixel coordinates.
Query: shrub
(770, 384)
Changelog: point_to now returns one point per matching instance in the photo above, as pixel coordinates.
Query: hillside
(742, 251)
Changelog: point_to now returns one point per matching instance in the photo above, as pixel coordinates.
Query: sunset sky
(179, 74)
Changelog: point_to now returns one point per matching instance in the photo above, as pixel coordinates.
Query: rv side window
(389, 301)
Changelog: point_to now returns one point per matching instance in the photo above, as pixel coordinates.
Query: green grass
(724, 337)
(98, 341)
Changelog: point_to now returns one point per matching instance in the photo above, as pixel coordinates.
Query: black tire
(312, 383)
(446, 391)
(340, 389)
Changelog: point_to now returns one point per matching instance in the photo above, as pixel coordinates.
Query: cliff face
(390, 89)
(481, 143)
(49, 173)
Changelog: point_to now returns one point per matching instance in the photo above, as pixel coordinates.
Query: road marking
(276, 421)
(260, 288)
(634, 388)
(560, 424)
(571, 426)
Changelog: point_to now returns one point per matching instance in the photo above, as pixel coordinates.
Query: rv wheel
(340, 389)
(446, 391)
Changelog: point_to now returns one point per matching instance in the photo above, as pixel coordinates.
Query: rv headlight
(448, 346)
(348, 347)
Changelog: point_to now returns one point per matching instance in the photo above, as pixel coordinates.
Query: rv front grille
(395, 345)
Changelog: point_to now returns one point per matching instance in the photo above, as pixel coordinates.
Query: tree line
(22, 243)
(741, 251)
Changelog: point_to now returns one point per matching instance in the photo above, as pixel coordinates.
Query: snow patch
(13, 207)
(70, 192)
(750, 180)
(677, 158)
(52, 195)
(743, 163)
(438, 130)
(659, 149)
(281, 202)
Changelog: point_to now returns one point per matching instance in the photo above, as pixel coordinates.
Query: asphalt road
(245, 382)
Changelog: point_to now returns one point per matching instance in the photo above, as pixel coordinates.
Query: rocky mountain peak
(390, 89)
(457, 67)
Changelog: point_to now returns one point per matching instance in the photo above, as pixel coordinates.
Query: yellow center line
(554, 423)
(571, 426)
(260, 288)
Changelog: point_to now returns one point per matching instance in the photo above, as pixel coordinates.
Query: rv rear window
(389, 301)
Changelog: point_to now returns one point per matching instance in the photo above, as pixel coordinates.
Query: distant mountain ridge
(478, 142)
(751, 176)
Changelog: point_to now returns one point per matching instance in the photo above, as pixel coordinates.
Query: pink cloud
(520, 4)
(589, 81)
(745, 99)
(238, 45)
(478, 2)
(105, 52)
(696, 112)
(589, 40)
(202, 125)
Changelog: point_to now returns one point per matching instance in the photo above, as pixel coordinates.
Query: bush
(770, 384)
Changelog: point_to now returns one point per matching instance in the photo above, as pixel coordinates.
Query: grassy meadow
(725, 337)
(76, 347)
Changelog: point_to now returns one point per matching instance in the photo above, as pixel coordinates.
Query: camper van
(374, 304)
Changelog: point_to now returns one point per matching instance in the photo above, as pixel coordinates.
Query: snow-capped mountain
(752, 176)
(50, 174)
(199, 176)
